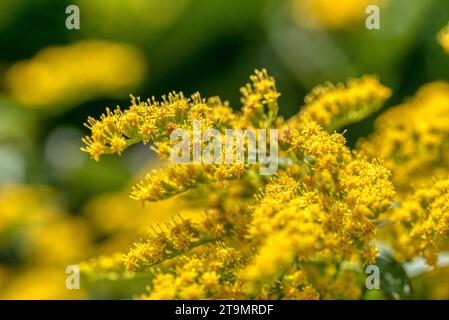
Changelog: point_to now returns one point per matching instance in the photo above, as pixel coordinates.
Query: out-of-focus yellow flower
(412, 138)
(39, 284)
(44, 240)
(433, 285)
(60, 77)
(443, 38)
(330, 14)
(48, 234)
(103, 267)
(174, 179)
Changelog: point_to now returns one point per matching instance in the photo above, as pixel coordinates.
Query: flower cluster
(258, 237)
(154, 121)
(335, 106)
(330, 14)
(207, 274)
(412, 137)
(323, 208)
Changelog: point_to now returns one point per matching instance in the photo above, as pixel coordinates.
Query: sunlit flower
(412, 137)
(334, 106)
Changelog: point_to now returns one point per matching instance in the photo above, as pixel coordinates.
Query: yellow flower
(443, 38)
(44, 239)
(256, 97)
(259, 237)
(51, 80)
(335, 106)
(412, 137)
(103, 267)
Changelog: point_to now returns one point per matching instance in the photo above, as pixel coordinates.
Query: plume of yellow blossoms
(179, 236)
(335, 106)
(259, 237)
(209, 273)
(412, 137)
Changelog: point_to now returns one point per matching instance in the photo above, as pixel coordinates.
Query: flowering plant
(305, 233)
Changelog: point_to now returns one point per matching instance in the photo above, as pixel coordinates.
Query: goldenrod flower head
(335, 106)
(420, 223)
(176, 238)
(195, 277)
(259, 237)
(180, 235)
(312, 144)
(411, 137)
(154, 121)
(259, 100)
(34, 214)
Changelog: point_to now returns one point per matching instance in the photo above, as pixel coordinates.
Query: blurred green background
(52, 78)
